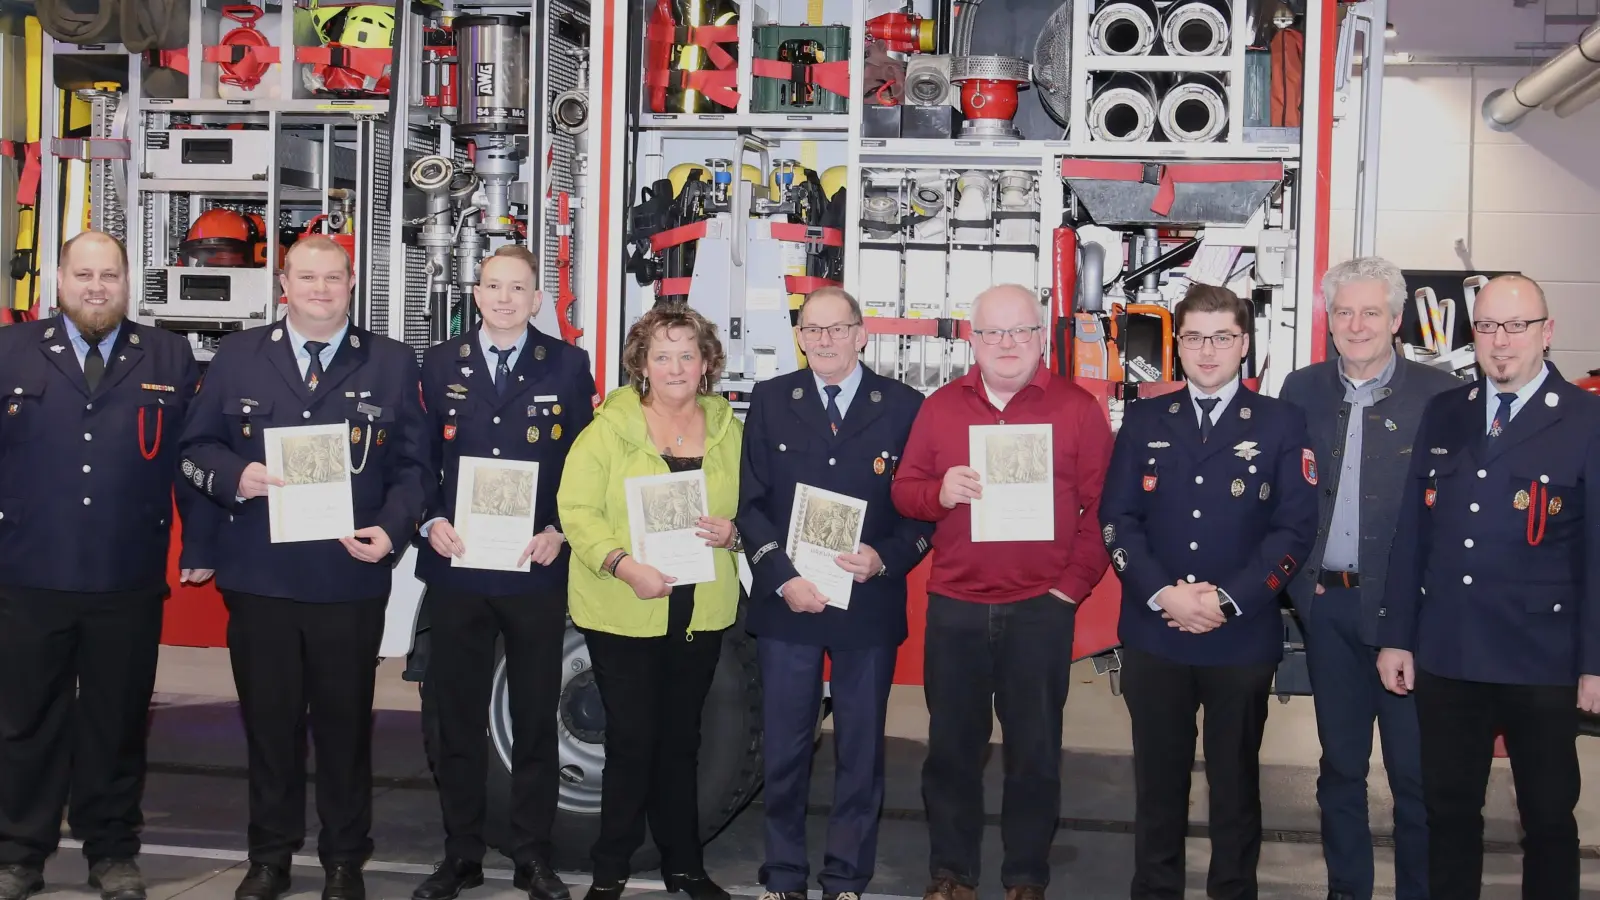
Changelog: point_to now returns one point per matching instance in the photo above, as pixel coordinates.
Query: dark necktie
(314, 371)
(1502, 415)
(94, 365)
(502, 369)
(835, 418)
(1206, 406)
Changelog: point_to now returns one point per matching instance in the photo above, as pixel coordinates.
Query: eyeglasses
(837, 332)
(1515, 326)
(1021, 335)
(1196, 341)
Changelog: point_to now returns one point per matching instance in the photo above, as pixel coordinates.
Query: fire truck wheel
(1588, 725)
(730, 751)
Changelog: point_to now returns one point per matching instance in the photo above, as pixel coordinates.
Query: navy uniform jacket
(1238, 511)
(787, 441)
(548, 400)
(1489, 578)
(86, 480)
(254, 383)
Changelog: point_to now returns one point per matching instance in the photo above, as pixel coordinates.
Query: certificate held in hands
(314, 502)
(495, 500)
(823, 525)
(1016, 466)
(663, 512)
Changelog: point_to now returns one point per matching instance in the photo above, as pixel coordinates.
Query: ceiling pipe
(1578, 96)
(1503, 108)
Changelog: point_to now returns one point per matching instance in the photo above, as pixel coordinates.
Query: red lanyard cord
(151, 453)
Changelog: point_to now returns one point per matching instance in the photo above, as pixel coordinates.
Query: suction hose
(1123, 108)
(1195, 28)
(1123, 28)
(1195, 109)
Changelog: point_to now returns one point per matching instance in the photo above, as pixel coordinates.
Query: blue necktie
(502, 372)
(835, 418)
(1206, 406)
(314, 370)
(1502, 415)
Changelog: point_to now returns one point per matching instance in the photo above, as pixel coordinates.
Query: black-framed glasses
(1515, 326)
(1021, 335)
(1220, 341)
(837, 332)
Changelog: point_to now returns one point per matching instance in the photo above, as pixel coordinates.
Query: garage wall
(1453, 194)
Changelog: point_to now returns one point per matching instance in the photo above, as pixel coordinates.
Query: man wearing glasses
(1492, 611)
(1001, 614)
(1210, 509)
(841, 428)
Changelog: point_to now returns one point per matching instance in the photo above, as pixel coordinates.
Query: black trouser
(1163, 698)
(288, 658)
(76, 673)
(1540, 723)
(462, 632)
(980, 660)
(654, 691)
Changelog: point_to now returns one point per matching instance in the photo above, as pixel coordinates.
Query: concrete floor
(196, 801)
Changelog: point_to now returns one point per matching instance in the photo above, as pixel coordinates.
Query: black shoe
(789, 895)
(540, 881)
(449, 879)
(117, 879)
(698, 887)
(344, 882)
(264, 881)
(20, 882)
(608, 890)
(842, 895)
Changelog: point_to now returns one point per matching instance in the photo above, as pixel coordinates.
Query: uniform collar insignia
(50, 332)
(1438, 451)
(57, 348)
(1158, 445)
(1246, 450)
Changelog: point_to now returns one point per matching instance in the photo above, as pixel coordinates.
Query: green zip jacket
(593, 506)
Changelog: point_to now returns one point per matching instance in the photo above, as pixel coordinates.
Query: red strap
(807, 234)
(673, 287)
(915, 327)
(672, 237)
(719, 85)
(1169, 176)
(28, 181)
(236, 53)
(805, 284)
(370, 61)
(706, 37)
(177, 60)
(830, 76)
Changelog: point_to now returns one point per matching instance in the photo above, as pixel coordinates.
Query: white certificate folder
(314, 504)
(823, 525)
(1016, 466)
(495, 500)
(663, 520)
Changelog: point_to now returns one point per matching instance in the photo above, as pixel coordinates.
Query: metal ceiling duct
(1123, 28)
(1195, 109)
(1196, 28)
(1123, 109)
(1553, 83)
(1578, 96)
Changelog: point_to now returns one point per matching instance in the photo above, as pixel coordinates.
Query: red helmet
(225, 238)
(1590, 382)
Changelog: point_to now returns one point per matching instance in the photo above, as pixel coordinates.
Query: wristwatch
(883, 569)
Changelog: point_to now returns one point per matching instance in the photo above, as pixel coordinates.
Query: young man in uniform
(1209, 511)
(305, 617)
(1493, 605)
(502, 391)
(839, 427)
(93, 405)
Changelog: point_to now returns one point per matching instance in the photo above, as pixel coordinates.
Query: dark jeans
(463, 628)
(1349, 695)
(1540, 723)
(980, 660)
(76, 672)
(791, 679)
(654, 692)
(1163, 699)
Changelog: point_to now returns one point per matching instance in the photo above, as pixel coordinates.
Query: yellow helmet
(368, 26)
(833, 179)
(680, 174)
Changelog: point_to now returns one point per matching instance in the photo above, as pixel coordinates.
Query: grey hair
(1038, 306)
(1365, 268)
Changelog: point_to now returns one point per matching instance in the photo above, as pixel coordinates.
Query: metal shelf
(905, 150)
(837, 122)
(210, 187)
(1218, 64)
(305, 105)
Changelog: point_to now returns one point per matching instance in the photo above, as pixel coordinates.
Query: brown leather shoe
(945, 887)
(1025, 892)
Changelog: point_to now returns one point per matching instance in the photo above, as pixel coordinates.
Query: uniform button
(17, 391)
(1483, 473)
(85, 470)
(1466, 579)
(782, 447)
(1557, 608)
(830, 461)
(1189, 578)
(497, 420)
(87, 436)
(496, 451)
(1544, 479)
(1252, 470)
(452, 412)
(1002, 421)
(86, 501)
(1199, 480)
(1467, 543)
(306, 414)
(1197, 514)
(88, 406)
(245, 410)
(1473, 507)
(1193, 546)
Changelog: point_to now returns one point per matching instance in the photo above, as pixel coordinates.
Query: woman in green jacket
(654, 645)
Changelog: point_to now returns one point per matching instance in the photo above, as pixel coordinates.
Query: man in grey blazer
(1362, 408)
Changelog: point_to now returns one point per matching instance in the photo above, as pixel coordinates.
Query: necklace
(661, 417)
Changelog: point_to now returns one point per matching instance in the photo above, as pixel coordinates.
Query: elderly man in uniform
(842, 428)
(502, 391)
(1001, 614)
(93, 404)
(306, 617)
(1362, 409)
(1209, 511)
(1492, 607)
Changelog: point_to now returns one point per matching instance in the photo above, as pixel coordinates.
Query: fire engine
(734, 156)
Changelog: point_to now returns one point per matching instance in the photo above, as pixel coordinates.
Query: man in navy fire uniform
(841, 428)
(306, 616)
(1209, 510)
(503, 391)
(1492, 606)
(93, 405)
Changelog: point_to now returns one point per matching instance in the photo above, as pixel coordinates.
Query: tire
(730, 750)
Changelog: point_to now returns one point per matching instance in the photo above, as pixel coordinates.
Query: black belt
(1339, 579)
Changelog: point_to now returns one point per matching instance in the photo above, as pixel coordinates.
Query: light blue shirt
(1343, 550)
(81, 346)
(1224, 393)
(847, 389)
(1493, 401)
(302, 356)
(493, 358)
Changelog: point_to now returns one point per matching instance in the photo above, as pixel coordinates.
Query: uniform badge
(877, 465)
(1173, 408)
(1389, 424)
(1237, 488)
(538, 352)
(164, 388)
(1150, 482)
(1551, 399)
(1428, 496)
(533, 434)
(1246, 450)
(1438, 451)
(381, 436)
(797, 393)
(555, 432)
(1158, 445)
(57, 348)
(466, 351)
(876, 397)
(1308, 465)
(277, 334)
(245, 429)
(355, 435)
(1110, 534)
(556, 410)
(1244, 413)
(1472, 394)
(199, 478)
(1554, 506)
(133, 339)
(1266, 491)
(1119, 559)
(188, 468)
(49, 332)
(450, 432)
(13, 407)
(1521, 500)
(311, 384)
(355, 342)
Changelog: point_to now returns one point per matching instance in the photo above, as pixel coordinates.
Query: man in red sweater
(1000, 613)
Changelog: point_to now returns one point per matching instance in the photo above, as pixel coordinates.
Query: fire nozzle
(903, 32)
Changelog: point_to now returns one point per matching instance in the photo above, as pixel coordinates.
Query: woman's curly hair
(672, 316)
